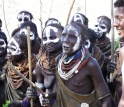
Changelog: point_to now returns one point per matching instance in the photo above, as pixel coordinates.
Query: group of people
(71, 64)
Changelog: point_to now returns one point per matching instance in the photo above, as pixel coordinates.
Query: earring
(87, 44)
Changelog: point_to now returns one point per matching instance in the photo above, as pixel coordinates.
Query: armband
(100, 98)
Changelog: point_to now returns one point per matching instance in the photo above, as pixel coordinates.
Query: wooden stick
(70, 12)
(29, 60)
(112, 39)
(27, 80)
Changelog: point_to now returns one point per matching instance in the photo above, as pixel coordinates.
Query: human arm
(99, 83)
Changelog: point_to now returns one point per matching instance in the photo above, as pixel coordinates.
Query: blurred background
(45, 9)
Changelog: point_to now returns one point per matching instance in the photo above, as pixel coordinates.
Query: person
(52, 21)
(45, 67)
(77, 82)
(0, 25)
(119, 24)
(33, 35)
(3, 54)
(107, 66)
(102, 28)
(24, 16)
(17, 54)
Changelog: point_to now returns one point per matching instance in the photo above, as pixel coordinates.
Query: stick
(70, 12)
(29, 60)
(112, 39)
(27, 80)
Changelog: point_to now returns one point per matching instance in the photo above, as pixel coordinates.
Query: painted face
(24, 30)
(100, 28)
(51, 37)
(2, 46)
(119, 21)
(71, 39)
(23, 17)
(13, 50)
(77, 18)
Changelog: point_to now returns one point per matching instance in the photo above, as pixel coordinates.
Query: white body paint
(78, 17)
(16, 49)
(47, 31)
(4, 44)
(22, 16)
(77, 44)
(32, 37)
(52, 21)
(99, 30)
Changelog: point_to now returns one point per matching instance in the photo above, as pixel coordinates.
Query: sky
(59, 9)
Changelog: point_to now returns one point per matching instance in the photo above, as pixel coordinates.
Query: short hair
(22, 40)
(15, 31)
(3, 36)
(107, 19)
(27, 12)
(84, 30)
(119, 3)
(58, 22)
(32, 26)
(86, 21)
(60, 27)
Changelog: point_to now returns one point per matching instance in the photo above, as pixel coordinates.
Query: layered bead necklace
(75, 67)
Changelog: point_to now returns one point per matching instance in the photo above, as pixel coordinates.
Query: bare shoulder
(93, 66)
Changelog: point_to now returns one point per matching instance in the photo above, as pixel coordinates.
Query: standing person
(119, 25)
(24, 16)
(17, 54)
(77, 82)
(102, 28)
(46, 66)
(3, 54)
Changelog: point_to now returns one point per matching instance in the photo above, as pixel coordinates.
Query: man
(119, 25)
(46, 66)
(17, 54)
(102, 28)
(23, 17)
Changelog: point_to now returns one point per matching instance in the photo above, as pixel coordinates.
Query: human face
(22, 18)
(13, 50)
(119, 21)
(77, 18)
(101, 28)
(51, 39)
(71, 39)
(24, 30)
(2, 46)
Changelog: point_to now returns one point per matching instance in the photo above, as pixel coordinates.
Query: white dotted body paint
(100, 29)
(3, 45)
(15, 49)
(32, 37)
(47, 32)
(21, 18)
(77, 44)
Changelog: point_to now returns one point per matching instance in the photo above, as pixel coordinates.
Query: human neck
(102, 38)
(121, 42)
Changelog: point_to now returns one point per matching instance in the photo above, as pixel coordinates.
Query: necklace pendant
(76, 71)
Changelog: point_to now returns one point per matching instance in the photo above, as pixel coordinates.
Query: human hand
(31, 93)
(44, 101)
(111, 66)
